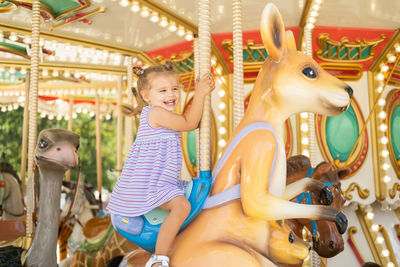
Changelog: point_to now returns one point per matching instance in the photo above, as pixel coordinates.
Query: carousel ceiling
(126, 23)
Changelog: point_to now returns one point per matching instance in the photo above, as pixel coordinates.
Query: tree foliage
(11, 142)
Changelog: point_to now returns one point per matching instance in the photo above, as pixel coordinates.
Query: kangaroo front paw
(341, 222)
(325, 196)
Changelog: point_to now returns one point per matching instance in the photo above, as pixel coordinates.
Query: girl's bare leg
(179, 209)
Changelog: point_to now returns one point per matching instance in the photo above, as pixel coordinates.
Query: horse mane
(87, 189)
(8, 168)
(297, 163)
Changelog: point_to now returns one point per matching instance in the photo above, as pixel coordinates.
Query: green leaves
(11, 123)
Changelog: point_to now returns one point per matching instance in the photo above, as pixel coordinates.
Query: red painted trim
(355, 251)
(76, 100)
(335, 33)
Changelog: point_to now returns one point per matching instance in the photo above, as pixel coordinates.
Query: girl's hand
(205, 85)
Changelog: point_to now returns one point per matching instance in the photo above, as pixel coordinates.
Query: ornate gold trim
(327, 46)
(341, 66)
(352, 231)
(362, 193)
(60, 66)
(393, 191)
(183, 59)
(381, 188)
(56, 87)
(388, 245)
(8, 8)
(91, 13)
(397, 212)
(250, 48)
(78, 41)
(48, 10)
(370, 236)
(9, 50)
(153, 5)
(19, 242)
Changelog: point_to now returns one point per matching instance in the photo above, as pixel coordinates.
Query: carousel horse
(11, 199)
(327, 241)
(12, 225)
(103, 244)
(93, 241)
(55, 153)
(80, 206)
(239, 223)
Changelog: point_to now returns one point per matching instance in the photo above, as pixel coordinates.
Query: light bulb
(172, 26)
(154, 17)
(135, 6)
(181, 31)
(163, 22)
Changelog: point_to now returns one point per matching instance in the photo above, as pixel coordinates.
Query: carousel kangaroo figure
(242, 231)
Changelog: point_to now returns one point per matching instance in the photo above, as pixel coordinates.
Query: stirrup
(164, 260)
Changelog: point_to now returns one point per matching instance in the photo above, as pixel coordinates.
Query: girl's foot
(157, 260)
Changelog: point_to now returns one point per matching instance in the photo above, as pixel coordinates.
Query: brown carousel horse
(327, 241)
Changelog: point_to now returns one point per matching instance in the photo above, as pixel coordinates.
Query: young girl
(150, 176)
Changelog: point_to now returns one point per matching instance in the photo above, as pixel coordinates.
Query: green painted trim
(395, 131)
(58, 7)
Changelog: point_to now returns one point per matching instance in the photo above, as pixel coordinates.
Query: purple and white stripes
(150, 176)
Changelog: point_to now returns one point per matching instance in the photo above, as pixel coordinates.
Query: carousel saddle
(11, 230)
(96, 232)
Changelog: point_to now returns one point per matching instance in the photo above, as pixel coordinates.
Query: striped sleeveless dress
(150, 176)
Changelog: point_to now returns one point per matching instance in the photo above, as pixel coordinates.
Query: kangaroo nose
(349, 91)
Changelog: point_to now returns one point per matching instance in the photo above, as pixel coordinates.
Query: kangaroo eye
(309, 72)
(291, 237)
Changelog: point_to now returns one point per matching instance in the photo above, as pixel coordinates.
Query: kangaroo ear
(290, 41)
(272, 32)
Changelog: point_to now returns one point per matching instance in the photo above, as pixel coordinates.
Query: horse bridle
(307, 196)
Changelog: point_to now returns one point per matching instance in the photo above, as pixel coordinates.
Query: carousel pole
(69, 127)
(204, 68)
(128, 120)
(196, 76)
(25, 132)
(33, 109)
(307, 49)
(98, 148)
(238, 99)
(120, 125)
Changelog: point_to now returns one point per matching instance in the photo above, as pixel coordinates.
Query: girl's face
(163, 92)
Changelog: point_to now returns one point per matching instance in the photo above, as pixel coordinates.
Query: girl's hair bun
(138, 70)
(169, 66)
